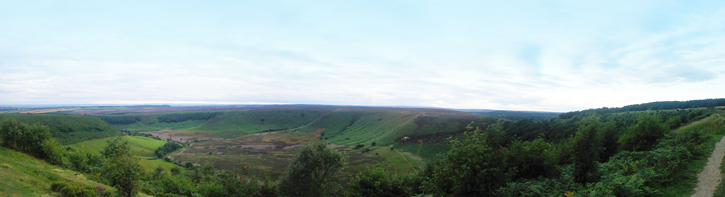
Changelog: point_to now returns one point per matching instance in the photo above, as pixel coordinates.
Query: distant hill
(342, 125)
(516, 115)
(659, 105)
(68, 129)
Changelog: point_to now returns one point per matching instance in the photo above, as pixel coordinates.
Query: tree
(643, 135)
(474, 166)
(121, 167)
(313, 172)
(587, 147)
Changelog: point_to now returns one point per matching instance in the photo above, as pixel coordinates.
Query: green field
(142, 146)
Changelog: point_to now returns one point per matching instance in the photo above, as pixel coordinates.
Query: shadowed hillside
(68, 129)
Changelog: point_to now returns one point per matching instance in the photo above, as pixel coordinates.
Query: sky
(509, 55)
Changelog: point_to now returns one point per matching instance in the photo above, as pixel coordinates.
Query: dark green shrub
(53, 151)
(378, 182)
(531, 159)
(556, 186)
(83, 161)
(73, 189)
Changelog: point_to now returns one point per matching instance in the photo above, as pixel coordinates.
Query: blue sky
(514, 55)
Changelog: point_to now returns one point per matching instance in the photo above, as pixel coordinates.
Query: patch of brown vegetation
(42, 111)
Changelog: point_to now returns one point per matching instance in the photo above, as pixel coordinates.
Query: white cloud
(555, 56)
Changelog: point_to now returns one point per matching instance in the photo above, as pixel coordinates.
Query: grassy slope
(143, 147)
(68, 129)
(23, 175)
(343, 125)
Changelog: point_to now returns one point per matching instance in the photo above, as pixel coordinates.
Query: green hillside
(342, 125)
(68, 129)
(23, 175)
(263, 120)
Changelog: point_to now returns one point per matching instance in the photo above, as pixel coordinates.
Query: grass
(142, 146)
(23, 175)
(720, 192)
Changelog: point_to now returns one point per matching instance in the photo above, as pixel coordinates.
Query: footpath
(710, 177)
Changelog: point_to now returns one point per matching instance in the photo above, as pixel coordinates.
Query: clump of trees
(34, 140)
(167, 148)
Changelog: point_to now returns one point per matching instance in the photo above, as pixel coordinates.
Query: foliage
(167, 148)
(520, 115)
(121, 167)
(661, 105)
(379, 182)
(180, 117)
(53, 151)
(83, 161)
(313, 172)
(532, 159)
(560, 185)
(475, 165)
(68, 129)
(587, 146)
(35, 140)
(643, 135)
(120, 119)
(73, 189)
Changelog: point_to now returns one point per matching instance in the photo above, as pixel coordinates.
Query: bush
(378, 182)
(532, 159)
(73, 189)
(541, 186)
(83, 161)
(54, 152)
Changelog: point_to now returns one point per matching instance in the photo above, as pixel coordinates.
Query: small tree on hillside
(313, 172)
(121, 167)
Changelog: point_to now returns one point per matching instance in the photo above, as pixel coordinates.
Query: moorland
(650, 149)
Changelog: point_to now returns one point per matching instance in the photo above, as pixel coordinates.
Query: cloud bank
(524, 55)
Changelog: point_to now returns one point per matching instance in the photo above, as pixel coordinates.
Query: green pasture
(142, 146)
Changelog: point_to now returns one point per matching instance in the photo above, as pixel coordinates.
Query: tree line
(660, 105)
(180, 117)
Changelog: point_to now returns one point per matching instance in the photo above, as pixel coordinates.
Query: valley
(261, 143)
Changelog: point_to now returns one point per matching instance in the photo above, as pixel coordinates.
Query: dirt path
(710, 177)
